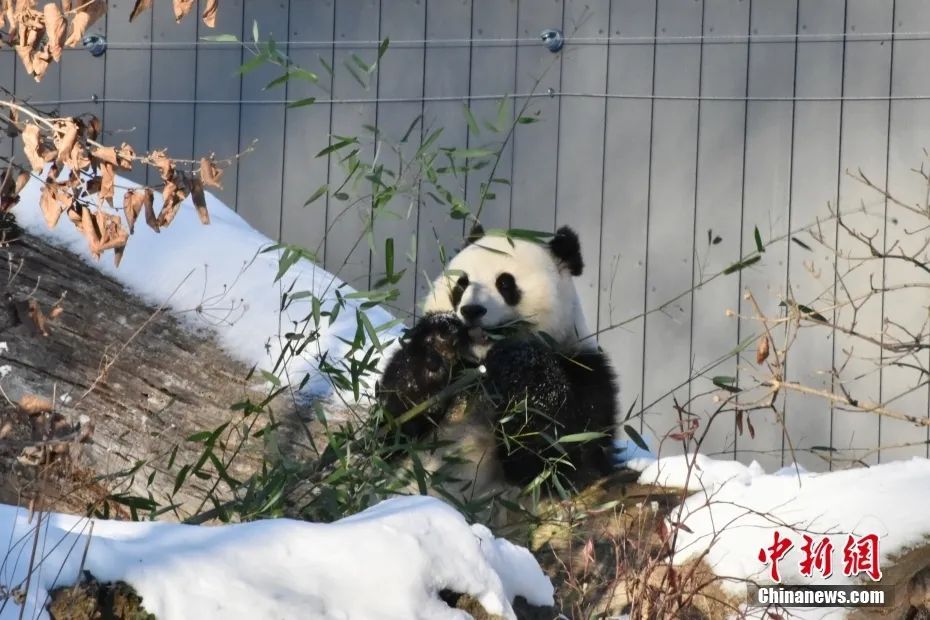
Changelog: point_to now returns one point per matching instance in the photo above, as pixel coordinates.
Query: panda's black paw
(430, 353)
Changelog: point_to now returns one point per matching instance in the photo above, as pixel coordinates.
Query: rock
(92, 600)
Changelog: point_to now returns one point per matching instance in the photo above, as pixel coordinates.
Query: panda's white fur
(548, 300)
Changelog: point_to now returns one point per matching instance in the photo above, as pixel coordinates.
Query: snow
(736, 510)
(388, 562)
(219, 269)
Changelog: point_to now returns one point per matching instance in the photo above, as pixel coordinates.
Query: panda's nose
(473, 312)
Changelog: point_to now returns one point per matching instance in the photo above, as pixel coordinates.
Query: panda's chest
(466, 457)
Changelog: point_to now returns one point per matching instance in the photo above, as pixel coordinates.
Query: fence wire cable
(491, 97)
(711, 39)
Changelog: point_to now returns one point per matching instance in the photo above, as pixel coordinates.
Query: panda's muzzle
(472, 313)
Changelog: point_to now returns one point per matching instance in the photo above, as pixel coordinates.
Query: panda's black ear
(567, 250)
(477, 231)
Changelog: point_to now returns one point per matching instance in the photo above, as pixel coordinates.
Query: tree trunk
(118, 398)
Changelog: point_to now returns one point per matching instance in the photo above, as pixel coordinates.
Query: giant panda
(506, 309)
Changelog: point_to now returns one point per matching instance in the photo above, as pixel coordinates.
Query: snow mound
(388, 562)
(736, 511)
(221, 270)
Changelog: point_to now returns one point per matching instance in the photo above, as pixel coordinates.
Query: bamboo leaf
(470, 119)
(741, 265)
(319, 193)
(726, 383)
(581, 437)
(635, 437)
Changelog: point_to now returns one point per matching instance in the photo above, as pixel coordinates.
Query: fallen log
(91, 373)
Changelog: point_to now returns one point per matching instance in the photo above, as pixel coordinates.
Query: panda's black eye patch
(507, 287)
(458, 290)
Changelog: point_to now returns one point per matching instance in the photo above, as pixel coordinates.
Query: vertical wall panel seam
(785, 439)
(600, 245)
(329, 133)
(881, 351)
(467, 102)
(697, 173)
(836, 230)
(652, 113)
(513, 139)
(371, 207)
(239, 127)
(742, 207)
(287, 88)
(193, 155)
(558, 131)
(103, 95)
(148, 107)
(416, 241)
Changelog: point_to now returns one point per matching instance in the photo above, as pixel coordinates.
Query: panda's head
(495, 281)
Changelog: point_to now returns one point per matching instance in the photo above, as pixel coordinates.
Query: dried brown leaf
(105, 153)
(200, 201)
(9, 193)
(7, 202)
(21, 179)
(55, 312)
(31, 146)
(40, 62)
(37, 317)
(132, 206)
(149, 204)
(172, 204)
(124, 156)
(48, 201)
(92, 127)
(140, 7)
(209, 173)
(84, 18)
(89, 229)
(34, 405)
(182, 8)
(161, 161)
(762, 350)
(30, 26)
(107, 182)
(12, 129)
(66, 137)
(209, 13)
(78, 158)
(75, 216)
(116, 240)
(118, 255)
(55, 28)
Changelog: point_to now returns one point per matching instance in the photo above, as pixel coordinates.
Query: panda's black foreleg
(419, 372)
(541, 396)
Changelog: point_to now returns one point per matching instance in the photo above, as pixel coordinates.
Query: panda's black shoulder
(563, 394)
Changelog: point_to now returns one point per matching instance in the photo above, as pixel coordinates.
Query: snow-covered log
(122, 382)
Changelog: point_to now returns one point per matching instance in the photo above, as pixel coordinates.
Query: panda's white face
(493, 282)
